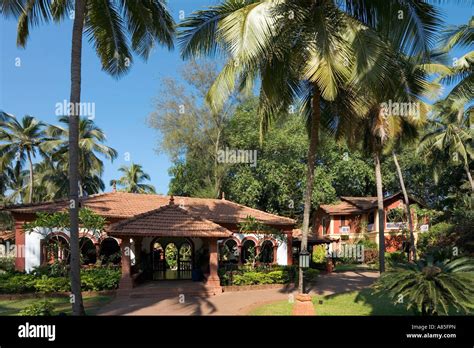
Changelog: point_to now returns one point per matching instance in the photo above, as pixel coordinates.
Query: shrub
(396, 257)
(44, 308)
(310, 274)
(319, 254)
(431, 288)
(438, 241)
(7, 264)
(367, 243)
(52, 284)
(97, 279)
(16, 283)
(370, 255)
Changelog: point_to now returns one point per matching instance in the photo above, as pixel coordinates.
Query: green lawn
(61, 304)
(355, 267)
(351, 303)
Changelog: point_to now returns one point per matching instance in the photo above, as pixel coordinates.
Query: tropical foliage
(432, 288)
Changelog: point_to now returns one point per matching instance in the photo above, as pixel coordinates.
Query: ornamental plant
(431, 288)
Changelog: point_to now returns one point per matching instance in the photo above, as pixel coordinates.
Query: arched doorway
(110, 251)
(55, 248)
(248, 251)
(266, 252)
(172, 258)
(88, 251)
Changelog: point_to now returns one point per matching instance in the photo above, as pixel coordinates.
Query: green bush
(7, 264)
(44, 308)
(97, 279)
(319, 254)
(396, 257)
(368, 244)
(17, 283)
(52, 284)
(438, 241)
(311, 274)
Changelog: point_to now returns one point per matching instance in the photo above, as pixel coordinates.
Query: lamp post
(303, 304)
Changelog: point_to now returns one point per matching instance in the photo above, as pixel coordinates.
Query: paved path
(233, 303)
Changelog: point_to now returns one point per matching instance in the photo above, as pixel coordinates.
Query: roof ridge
(260, 211)
(162, 208)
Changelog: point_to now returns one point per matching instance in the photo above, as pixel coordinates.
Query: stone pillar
(213, 280)
(19, 246)
(289, 248)
(275, 254)
(138, 251)
(126, 280)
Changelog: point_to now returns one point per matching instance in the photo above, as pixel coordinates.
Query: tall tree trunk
(469, 176)
(76, 56)
(314, 139)
(381, 214)
(412, 252)
(30, 194)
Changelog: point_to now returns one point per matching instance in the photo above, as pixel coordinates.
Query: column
(213, 279)
(19, 246)
(138, 251)
(126, 280)
(275, 253)
(289, 248)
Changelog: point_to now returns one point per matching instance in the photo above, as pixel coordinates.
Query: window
(343, 220)
(323, 223)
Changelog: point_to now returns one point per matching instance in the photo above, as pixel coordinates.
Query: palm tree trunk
(76, 56)
(412, 253)
(314, 139)
(30, 195)
(469, 176)
(381, 215)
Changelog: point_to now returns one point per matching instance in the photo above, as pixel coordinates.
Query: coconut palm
(20, 141)
(431, 288)
(303, 51)
(91, 139)
(449, 139)
(132, 179)
(115, 28)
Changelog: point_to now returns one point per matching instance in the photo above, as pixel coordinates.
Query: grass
(61, 304)
(350, 303)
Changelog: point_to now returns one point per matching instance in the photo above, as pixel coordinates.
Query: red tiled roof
(126, 205)
(341, 208)
(168, 221)
(297, 234)
(6, 235)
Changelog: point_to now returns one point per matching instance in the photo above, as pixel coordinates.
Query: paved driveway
(233, 303)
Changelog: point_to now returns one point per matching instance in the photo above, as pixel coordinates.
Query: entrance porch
(168, 244)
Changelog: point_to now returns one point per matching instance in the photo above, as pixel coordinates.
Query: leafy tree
(132, 179)
(190, 130)
(115, 28)
(19, 142)
(301, 50)
(91, 139)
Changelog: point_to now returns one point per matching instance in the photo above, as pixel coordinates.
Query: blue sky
(122, 106)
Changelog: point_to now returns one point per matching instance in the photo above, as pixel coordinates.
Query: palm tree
(431, 288)
(21, 141)
(132, 179)
(109, 25)
(91, 140)
(450, 138)
(302, 51)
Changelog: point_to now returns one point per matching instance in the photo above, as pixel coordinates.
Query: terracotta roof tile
(341, 208)
(168, 221)
(126, 205)
(6, 235)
